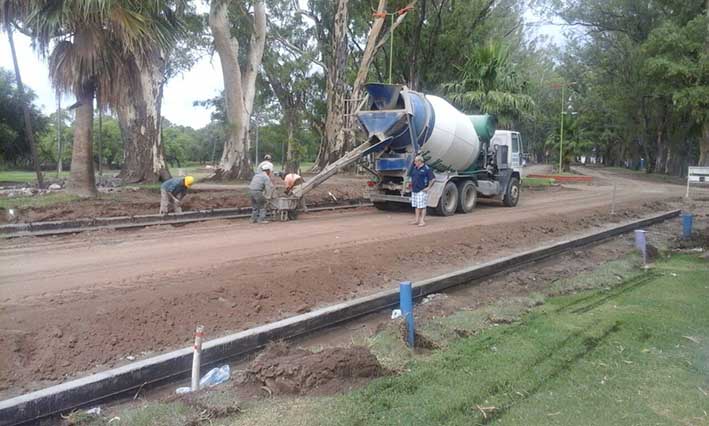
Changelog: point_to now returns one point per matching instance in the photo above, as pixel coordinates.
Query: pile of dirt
(285, 370)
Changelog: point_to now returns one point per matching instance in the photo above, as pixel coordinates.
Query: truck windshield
(515, 143)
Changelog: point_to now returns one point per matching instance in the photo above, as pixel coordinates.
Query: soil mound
(284, 370)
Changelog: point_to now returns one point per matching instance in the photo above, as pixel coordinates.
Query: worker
(291, 180)
(266, 161)
(422, 179)
(260, 189)
(172, 191)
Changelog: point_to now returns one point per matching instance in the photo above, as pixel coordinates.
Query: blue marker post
(641, 244)
(687, 219)
(406, 304)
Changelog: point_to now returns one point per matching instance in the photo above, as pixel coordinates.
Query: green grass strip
(636, 354)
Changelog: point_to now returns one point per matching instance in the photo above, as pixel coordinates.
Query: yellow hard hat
(189, 180)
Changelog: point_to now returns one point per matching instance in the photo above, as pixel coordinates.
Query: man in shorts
(422, 179)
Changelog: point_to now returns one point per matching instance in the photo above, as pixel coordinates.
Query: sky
(203, 81)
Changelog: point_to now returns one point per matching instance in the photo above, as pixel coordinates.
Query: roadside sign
(697, 175)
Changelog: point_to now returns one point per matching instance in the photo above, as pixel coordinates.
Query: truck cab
(513, 141)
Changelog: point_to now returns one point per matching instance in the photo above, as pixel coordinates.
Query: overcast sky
(203, 81)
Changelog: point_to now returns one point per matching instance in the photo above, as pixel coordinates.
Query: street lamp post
(561, 132)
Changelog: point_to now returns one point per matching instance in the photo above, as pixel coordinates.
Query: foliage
(575, 145)
(111, 142)
(47, 141)
(641, 79)
(490, 84)
(14, 150)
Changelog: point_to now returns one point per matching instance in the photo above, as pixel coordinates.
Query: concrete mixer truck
(469, 157)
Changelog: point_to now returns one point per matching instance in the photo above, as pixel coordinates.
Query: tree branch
(295, 49)
(397, 22)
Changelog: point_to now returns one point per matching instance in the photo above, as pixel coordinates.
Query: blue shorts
(419, 200)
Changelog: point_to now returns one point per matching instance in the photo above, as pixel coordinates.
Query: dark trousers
(258, 206)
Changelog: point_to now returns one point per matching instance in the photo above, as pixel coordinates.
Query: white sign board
(698, 175)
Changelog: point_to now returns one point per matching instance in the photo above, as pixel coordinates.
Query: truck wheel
(512, 193)
(467, 196)
(448, 203)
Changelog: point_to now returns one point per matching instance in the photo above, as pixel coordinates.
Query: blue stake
(641, 244)
(406, 304)
(687, 219)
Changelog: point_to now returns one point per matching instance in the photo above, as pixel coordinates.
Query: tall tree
(140, 113)
(29, 134)
(239, 83)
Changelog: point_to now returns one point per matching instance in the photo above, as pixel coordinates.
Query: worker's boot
(262, 216)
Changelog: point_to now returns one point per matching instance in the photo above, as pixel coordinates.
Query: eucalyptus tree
(240, 70)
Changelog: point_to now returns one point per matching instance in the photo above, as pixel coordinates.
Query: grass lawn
(26, 176)
(36, 201)
(634, 355)
(536, 182)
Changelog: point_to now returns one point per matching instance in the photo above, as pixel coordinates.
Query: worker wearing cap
(260, 189)
(266, 162)
(291, 180)
(422, 179)
(172, 191)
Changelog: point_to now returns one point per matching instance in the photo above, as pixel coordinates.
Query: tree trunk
(239, 90)
(140, 122)
(29, 134)
(659, 151)
(82, 181)
(369, 50)
(59, 135)
(704, 146)
(414, 72)
(335, 144)
(292, 158)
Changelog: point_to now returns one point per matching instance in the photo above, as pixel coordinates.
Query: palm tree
(490, 84)
(87, 43)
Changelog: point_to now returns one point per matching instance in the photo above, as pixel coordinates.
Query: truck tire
(512, 194)
(467, 196)
(448, 203)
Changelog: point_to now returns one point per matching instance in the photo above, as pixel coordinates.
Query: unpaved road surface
(73, 305)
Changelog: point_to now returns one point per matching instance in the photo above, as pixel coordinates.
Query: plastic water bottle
(215, 376)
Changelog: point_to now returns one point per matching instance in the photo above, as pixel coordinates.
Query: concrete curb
(160, 369)
(39, 229)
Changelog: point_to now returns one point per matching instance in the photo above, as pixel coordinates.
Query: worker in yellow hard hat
(172, 192)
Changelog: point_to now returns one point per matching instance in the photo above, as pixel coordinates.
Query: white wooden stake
(613, 201)
(196, 357)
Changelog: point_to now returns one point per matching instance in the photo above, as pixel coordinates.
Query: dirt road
(72, 305)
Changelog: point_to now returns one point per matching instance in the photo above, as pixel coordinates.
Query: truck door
(515, 154)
